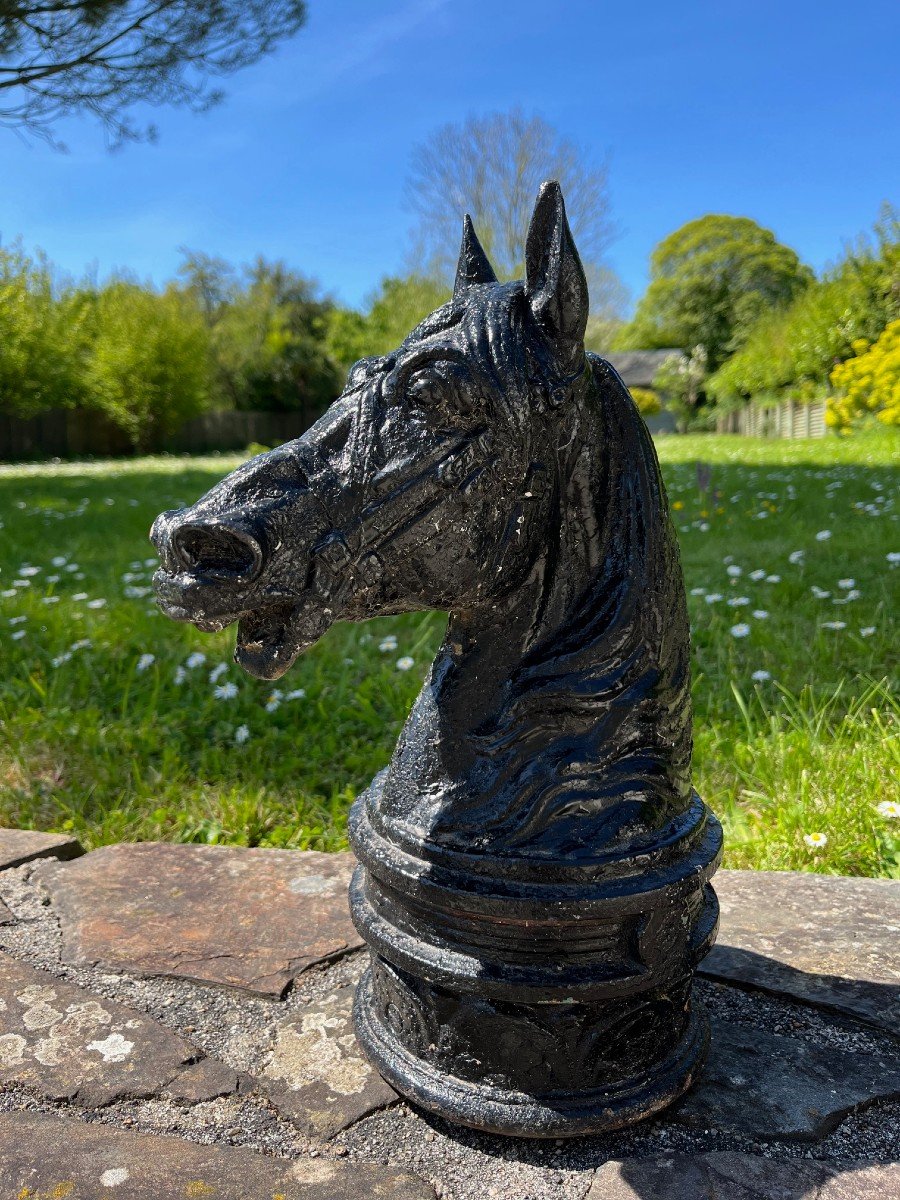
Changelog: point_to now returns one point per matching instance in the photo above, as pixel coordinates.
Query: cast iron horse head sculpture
(534, 863)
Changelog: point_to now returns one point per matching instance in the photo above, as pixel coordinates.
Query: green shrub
(147, 367)
(42, 335)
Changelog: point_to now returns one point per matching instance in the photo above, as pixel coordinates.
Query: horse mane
(599, 709)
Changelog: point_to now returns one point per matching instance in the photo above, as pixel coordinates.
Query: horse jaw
(270, 640)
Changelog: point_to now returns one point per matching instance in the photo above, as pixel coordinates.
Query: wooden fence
(786, 420)
(76, 433)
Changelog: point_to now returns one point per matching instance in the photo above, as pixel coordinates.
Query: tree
(791, 351)
(147, 366)
(268, 328)
(492, 167)
(42, 336)
(710, 281)
(680, 380)
(869, 382)
(103, 56)
(396, 308)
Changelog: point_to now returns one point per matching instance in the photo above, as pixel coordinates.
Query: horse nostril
(218, 551)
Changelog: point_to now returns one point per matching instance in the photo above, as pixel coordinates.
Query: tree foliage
(492, 168)
(42, 331)
(710, 281)
(102, 57)
(395, 309)
(792, 350)
(147, 364)
(268, 326)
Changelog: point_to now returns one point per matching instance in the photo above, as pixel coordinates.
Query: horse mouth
(270, 639)
(270, 636)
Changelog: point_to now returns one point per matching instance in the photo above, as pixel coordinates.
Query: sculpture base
(542, 999)
(495, 1109)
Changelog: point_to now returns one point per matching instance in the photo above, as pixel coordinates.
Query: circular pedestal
(536, 999)
(498, 1109)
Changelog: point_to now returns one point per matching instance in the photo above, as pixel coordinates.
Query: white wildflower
(867, 631)
(823, 535)
(815, 841)
(889, 809)
(50, 600)
(18, 635)
(820, 593)
(17, 620)
(80, 596)
(197, 659)
(241, 734)
(225, 691)
(217, 672)
(738, 601)
(180, 675)
(59, 561)
(741, 630)
(773, 579)
(29, 572)
(296, 694)
(61, 658)
(274, 700)
(757, 575)
(405, 663)
(846, 584)
(734, 571)
(698, 591)
(796, 556)
(386, 645)
(96, 603)
(834, 624)
(761, 614)
(713, 597)
(145, 661)
(761, 676)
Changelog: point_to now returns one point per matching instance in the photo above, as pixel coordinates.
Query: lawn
(116, 723)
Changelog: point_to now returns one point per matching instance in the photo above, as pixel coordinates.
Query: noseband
(348, 555)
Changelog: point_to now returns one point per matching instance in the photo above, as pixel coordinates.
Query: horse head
(423, 486)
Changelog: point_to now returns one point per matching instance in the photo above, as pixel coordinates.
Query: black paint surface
(534, 864)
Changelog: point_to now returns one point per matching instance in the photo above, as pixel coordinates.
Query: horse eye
(423, 389)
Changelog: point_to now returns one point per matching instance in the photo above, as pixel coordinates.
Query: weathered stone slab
(43, 1156)
(828, 940)
(249, 919)
(69, 1044)
(6, 917)
(317, 1075)
(19, 846)
(206, 1080)
(728, 1176)
(770, 1086)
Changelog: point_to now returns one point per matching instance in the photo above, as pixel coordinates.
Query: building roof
(638, 367)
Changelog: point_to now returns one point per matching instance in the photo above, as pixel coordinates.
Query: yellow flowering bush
(869, 382)
(647, 401)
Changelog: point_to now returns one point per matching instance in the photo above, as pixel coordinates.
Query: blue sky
(784, 111)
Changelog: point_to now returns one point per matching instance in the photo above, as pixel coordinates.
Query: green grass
(99, 746)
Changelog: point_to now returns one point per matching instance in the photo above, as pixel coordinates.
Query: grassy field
(118, 724)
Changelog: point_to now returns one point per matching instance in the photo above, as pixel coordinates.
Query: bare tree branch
(104, 56)
(492, 168)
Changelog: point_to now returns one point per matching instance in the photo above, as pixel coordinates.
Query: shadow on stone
(874, 1003)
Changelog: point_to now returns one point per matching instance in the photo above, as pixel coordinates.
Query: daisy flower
(241, 734)
(889, 809)
(741, 630)
(225, 691)
(405, 663)
(815, 841)
(145, 661)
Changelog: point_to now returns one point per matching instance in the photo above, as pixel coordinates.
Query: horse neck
(605, 584)
(573, 687)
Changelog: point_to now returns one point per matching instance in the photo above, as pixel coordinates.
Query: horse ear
(555, 283)
(473, 266)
